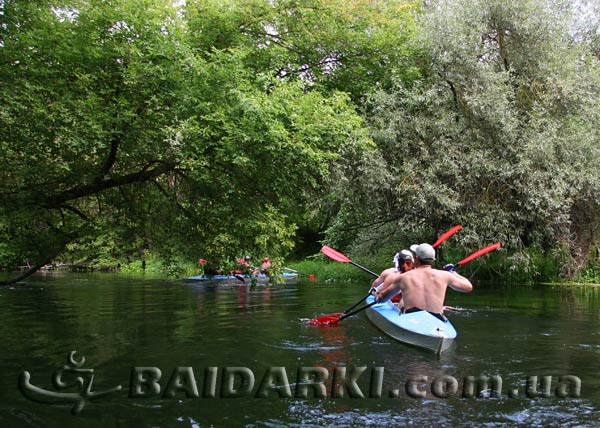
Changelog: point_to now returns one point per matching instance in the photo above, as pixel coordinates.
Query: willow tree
(500, 135)
(121, 126)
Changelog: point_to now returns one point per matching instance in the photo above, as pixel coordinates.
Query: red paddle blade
(480, 252)
(325, 320)
(447, 235)
(334, 254)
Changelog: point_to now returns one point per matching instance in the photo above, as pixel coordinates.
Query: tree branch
(145, 174)
(33, 269)
(111, 159)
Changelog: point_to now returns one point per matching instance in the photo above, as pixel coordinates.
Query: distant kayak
(261, 277)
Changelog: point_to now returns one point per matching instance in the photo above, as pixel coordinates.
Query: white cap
(406, 256)
(425, 252)
(413, 248)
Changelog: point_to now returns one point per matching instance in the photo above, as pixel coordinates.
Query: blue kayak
(261, 277)
(421, 329)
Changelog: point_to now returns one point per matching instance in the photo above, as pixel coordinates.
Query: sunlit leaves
(160, 125)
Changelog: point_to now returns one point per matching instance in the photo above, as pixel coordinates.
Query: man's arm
(389, 288)
(382, 276)
(457, 282)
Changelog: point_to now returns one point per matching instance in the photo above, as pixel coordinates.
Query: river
(188, 354)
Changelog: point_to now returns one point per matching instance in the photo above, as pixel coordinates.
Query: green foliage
(103, 247)
(325, 271)
(174, 267)
(499, 135)
(128, 126)
(329, 44)
(10, 255)
(591, 275)
(216, 129)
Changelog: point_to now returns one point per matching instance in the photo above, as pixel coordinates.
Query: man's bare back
(423, 287)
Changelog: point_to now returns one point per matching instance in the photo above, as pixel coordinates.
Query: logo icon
(76, 377)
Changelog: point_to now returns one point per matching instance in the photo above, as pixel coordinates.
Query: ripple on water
(551, 415)
(339, 414)
(417, 413)
(308, 346)
(587, 347)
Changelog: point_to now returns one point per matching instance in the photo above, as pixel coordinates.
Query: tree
(500, 135)
(334, 45)
(118, 119)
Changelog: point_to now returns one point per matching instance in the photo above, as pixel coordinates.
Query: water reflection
(117, 323)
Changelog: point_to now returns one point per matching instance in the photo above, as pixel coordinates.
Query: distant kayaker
(423, 288)
(265, 266)
(244, 266)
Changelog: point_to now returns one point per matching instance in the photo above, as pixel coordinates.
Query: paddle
(446, 235)
(339, 257)
(474, 255)
(333, 319)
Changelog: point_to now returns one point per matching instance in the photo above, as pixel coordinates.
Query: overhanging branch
(149, 172)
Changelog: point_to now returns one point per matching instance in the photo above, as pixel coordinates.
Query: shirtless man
(423, 288)
(403, 262)
(265, 266)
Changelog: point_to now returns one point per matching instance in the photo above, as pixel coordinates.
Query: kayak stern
(420, 329)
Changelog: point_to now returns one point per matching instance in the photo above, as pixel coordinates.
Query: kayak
(261, 277)
(421, 329)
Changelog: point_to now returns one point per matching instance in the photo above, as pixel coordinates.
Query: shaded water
(120, 322)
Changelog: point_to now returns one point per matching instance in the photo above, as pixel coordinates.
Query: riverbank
(526, 267)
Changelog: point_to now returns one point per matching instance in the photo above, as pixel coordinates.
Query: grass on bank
(328, 272)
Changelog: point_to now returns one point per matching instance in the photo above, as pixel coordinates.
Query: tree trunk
(33, 269)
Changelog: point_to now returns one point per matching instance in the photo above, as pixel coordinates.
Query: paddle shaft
(357, 303)
(363, 298)
(364, 268)
(358, 310)
(339, 257)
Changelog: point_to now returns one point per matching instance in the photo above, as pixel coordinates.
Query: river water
(234, 355)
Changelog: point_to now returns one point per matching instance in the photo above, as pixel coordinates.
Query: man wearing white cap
(403, 261)
(423, 288)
